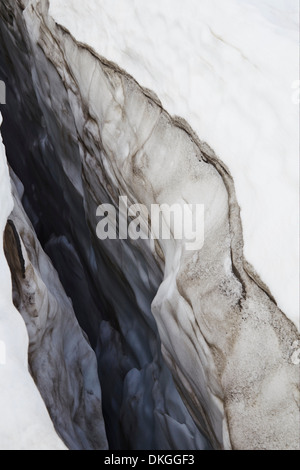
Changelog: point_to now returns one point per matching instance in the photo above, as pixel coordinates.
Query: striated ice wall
(61, 361)
(231, 69)
(142, 407)
(25, 423)
(89, 134)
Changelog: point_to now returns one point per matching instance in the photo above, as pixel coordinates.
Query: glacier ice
(140, 356)
(86, 133)
(25, 423)
(61, 361)
(229, 69)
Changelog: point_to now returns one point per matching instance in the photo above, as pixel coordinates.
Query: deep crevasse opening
(141, 405)
(82, 140)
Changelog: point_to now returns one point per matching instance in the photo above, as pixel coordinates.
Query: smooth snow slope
(25, 423)
(230, 69)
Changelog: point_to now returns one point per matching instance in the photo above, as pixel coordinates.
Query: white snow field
(231, 70)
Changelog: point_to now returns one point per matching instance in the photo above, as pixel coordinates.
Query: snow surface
(231, 70)
(25, 423)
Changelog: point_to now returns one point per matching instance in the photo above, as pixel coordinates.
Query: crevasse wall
(25, 423)
(61, 361)
(227, 344)
(231, 69)
(142, 407)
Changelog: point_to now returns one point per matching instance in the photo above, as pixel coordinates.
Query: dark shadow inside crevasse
(132, 371)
